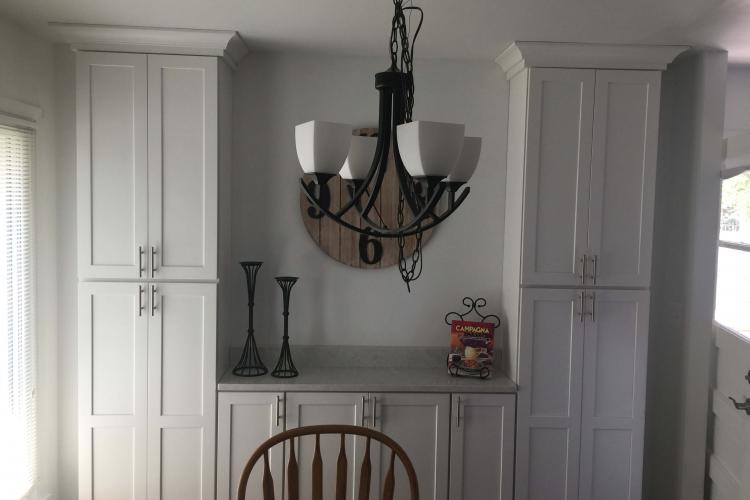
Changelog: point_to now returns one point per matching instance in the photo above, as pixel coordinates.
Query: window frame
(16, 114)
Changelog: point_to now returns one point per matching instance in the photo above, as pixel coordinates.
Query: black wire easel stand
(285, 366)
(250, 364)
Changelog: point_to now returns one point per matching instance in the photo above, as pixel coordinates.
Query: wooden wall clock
(347, 246)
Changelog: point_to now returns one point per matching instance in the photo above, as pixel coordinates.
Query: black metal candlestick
(250, 364)
(285, 366)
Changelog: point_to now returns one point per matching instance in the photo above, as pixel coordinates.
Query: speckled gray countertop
(365, 369)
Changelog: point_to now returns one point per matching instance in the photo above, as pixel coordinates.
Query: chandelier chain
(410, 268)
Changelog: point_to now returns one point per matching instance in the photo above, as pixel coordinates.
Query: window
(733, 279)
(17, 405)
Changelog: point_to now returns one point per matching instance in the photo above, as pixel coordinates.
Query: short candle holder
(285, 366)
(250, 364)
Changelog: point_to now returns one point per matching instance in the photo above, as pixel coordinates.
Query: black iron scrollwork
(473, 305)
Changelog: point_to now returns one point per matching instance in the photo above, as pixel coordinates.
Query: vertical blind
(17, 404)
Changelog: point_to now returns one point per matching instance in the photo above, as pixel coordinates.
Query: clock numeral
(370, 249)
(324, 198)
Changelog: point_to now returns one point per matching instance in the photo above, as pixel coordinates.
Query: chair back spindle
(342, 464)
(317, 471)
(364, 474)
(292, 473)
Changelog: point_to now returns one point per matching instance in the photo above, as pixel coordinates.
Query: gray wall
(683, 278)
(333, 303)
(737, 115)
(27, 72)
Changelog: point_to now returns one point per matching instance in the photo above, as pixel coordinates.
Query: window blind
(17, 401)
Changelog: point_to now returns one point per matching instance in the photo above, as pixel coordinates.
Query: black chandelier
(433, 160)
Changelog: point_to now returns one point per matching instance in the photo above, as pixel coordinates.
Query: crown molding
(20, 110)
(522, 55)
(221, 43)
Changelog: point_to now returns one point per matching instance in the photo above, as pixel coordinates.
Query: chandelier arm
(384, 135)
(418, 218)
(384, 116)
(405, 181)
(438, 219)
(375, 231)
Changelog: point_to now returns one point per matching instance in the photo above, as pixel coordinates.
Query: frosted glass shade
(359, 160)
(322, 146)
(430, 149)
(467, 160)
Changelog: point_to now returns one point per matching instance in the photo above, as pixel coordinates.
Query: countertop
(367, 369)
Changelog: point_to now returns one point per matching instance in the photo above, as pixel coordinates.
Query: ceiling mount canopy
(433, 160)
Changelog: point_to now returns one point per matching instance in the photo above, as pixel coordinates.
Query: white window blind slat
(17, 398)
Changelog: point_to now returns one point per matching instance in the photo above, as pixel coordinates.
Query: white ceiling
(464, 29)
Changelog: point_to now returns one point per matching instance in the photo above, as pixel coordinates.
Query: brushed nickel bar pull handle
(278, 410)
(593, 307)
(153, 299)
(141, 307)
(458, 411)
(153, 265)
(582, 298)
(374, 410)
(595, 260)
(140, 261)
(362, 416)
(583, 269)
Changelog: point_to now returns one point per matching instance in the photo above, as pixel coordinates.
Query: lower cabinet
(246, 419)
(581, 398)
(147, 378)
(482, 446)
(473, 449)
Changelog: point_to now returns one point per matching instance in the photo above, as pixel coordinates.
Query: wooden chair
(317, 464)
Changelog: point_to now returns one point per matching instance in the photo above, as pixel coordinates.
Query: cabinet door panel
(111, 391)
(482, 446)
(616, 342)
(623, 170)
(183, 166)
(558, 162)
(419, 423)
(549, 395)
(318, 409)
(182, 387)
(111, 164)
(245, 421)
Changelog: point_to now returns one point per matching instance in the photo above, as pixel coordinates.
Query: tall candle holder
(285, 366)
(250, 364)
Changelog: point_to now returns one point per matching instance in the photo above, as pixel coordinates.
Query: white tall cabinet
(582, 143)
(148, 166)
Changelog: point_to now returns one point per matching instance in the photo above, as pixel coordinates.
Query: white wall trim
(586, 55)
(18, 110)
(736, 155)
(97, 37)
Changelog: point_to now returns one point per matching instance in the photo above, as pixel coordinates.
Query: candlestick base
(285, 366)
(250, 364)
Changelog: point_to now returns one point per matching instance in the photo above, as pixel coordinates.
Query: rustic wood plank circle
(347, 246)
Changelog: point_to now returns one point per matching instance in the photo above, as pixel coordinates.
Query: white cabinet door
(549, 394)
(558, 167)
(614, 395)
(320, 408)
(482, 446)
(730, 454)
(111, 165)
(623, 170)
(111, 391)
(419, 423)
(245, 421)
(181, 390)
(182, 167)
